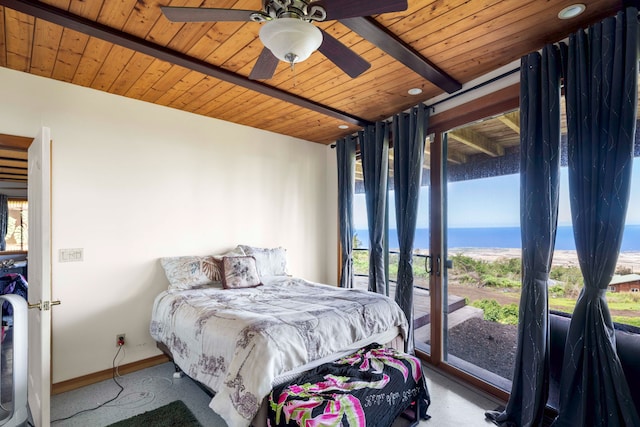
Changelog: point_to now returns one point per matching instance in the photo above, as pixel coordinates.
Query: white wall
(133, 182)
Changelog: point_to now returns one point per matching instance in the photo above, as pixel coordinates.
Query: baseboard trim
(96, 377)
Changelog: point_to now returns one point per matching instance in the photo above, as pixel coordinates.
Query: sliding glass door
(422, 260)
(481, 240)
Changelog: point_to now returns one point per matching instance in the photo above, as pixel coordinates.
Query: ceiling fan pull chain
(293, 70)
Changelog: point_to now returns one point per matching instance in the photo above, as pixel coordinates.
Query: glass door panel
(421, 260)
(481, 288)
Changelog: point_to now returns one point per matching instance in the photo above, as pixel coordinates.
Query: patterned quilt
(368, 388)
(237, 341)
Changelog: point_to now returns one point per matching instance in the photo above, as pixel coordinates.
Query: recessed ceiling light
(415, 91)
(343, 127)
(571, 11)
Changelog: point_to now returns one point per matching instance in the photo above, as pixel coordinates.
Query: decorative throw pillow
(217, 273)
(188, 272)
(270, 262)
(240, 272)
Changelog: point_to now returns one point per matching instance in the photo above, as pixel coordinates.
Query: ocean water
(499, 237)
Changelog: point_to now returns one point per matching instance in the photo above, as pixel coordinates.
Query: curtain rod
(457, 94)
(478, 86)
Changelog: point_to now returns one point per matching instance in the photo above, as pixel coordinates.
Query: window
(420, 246)
(430, 315)
(565, 272)
(17, 226)
(361, 231)
(469, 212)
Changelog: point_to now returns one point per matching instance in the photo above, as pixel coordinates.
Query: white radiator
(18, 413)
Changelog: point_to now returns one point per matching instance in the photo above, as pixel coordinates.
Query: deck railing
(420, 266)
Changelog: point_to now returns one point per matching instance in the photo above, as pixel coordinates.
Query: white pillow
(188, 272)
(270, 262)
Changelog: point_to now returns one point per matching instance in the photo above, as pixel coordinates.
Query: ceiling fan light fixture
(290, 40)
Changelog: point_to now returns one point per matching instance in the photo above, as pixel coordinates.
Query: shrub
(361, 262)
(556, 291)
(464, 264)
(572, 289)
(509, 314)
(357, 243)
(569, 275)
(494, 312)
(490, 307)
(468, 278)
(508, 266)
(500, 282)
(502, 273)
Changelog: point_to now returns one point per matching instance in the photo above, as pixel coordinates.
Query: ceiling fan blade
(341, 9)
(349, 61)
(199, 14)
(265, 66)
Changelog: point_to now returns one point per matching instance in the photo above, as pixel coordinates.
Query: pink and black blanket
(371, 387)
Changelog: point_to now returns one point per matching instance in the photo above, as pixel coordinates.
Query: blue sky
(494, 202)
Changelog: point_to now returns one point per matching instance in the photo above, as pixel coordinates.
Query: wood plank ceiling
(127, 47)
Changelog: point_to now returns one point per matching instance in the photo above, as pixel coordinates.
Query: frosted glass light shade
(289, 39)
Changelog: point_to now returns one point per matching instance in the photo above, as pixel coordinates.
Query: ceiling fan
(288, 33)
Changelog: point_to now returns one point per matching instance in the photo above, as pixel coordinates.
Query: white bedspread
(237, 341)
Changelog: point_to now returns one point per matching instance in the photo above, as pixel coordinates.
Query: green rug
(174, 414)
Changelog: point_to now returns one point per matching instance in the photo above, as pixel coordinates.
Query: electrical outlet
(120, 340)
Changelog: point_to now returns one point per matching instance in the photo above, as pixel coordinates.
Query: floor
(452, 403)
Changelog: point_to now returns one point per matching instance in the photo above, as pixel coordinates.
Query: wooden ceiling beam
(456, 158)
(384, 39)
(111, 35)
(512, 121)
(477, 141)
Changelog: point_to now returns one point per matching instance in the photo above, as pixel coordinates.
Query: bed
(240, 342)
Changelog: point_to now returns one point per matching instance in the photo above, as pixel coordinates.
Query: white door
(39, 273)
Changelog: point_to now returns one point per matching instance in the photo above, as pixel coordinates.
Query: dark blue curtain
(374, 148)
(539, 185)
(409, 134)
(346, 157)
(4, 220)
(601, 95)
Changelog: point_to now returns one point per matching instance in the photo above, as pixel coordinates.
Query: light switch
(70, 255)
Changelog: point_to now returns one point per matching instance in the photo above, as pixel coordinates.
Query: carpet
(174, 414)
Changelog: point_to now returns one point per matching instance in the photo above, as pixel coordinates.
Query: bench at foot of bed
(371, 387)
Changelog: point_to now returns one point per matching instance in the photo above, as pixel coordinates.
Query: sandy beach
(629, 261)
